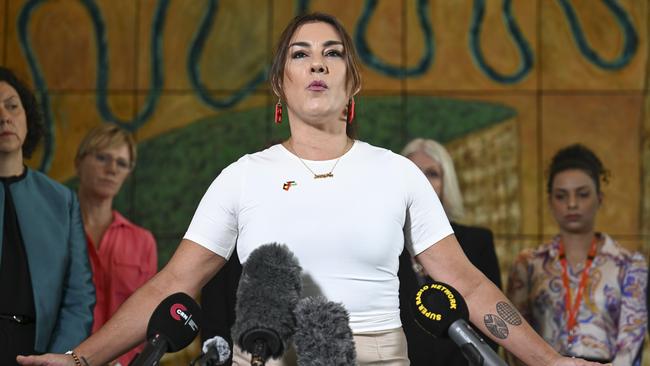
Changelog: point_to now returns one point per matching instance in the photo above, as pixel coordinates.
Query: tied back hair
(452, 199)
(580, 157)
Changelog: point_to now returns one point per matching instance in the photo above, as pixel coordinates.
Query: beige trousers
(385, 348)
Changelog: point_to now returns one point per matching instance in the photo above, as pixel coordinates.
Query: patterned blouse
(612, 317)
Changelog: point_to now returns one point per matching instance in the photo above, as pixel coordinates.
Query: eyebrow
(568, 190)
(325, 44)
(10, 98)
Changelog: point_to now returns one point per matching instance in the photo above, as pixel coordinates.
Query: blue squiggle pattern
(630, 37)
(102, 72)
(156, 78)
(39, 82)
(302, 6)
(372, 60)
(193, 70)
(525, 52)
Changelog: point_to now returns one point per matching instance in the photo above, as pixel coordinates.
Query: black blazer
(423, 349)
(218, 302)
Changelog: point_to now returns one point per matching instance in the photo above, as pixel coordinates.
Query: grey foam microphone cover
(269, 290)
(323, 335)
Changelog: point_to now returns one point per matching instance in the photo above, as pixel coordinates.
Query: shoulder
(625, 255)
(538, 254)
(47, 186)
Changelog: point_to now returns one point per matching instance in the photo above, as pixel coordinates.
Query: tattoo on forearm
(496, 326)
(508, 313)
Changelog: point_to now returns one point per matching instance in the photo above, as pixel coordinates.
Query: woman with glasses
(46, 290)
(122, 255)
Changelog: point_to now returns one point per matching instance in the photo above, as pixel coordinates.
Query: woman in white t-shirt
(342, 206)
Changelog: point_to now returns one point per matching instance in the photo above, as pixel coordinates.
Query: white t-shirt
(347, 231)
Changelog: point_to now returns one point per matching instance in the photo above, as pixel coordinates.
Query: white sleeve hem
(204, 242)
(423, 245)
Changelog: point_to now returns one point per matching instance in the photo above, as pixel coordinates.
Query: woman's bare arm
(446, 262)
(187, 271)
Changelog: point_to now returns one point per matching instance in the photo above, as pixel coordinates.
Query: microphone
(441, 311)
(323, 335)
(172, 327)
(215, 351)
(269, 289)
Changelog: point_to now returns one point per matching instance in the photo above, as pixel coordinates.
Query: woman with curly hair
(582, 292)
(46, 291)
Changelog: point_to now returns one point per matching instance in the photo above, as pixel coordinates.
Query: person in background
(477, 244)
(345, 208)
(582, 291)
(46, 290)
(123, 255)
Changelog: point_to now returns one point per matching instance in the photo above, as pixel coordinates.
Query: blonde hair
(452, 199)
(106, 136)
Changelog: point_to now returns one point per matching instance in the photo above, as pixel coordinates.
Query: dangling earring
(278, 112)
(350, 115)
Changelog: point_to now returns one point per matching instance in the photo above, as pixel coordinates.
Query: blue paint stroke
(156, 78)
(103, 107)
(193, 69)
(523, 48)
(630, 37)
(372, 60)
(39, 83)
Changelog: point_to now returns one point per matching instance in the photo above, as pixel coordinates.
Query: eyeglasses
(107, 159)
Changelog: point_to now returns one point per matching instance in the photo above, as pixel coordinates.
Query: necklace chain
(329, 174)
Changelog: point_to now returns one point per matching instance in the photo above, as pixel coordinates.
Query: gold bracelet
(77, 361)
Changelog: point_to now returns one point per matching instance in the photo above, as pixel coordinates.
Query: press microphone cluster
(323, 335)
(441, 311)
(269, 290)
(172, 327)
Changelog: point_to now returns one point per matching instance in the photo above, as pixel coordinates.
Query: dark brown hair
(35, 128)
(579, 157)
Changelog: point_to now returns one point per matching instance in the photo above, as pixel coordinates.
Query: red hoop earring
(350, 115)
(278, 112)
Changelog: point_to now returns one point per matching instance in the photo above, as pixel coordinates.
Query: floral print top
(612, 317)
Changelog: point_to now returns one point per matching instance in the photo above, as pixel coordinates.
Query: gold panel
(454, 67)
(75, 114)
(645, 186)
(235, 49)
(610, 126)
(179, 110)
(564, 67)
(14, 57)
(3, 23)
(63, 38)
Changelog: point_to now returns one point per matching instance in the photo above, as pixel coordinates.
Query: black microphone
(172, 327)
(441, 311)
(215, 351)
(269, 289)
(323, 335)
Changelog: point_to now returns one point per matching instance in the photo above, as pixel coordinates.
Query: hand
(569, 361)
(49, 359)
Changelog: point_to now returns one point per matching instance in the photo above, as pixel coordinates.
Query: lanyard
(572, 308)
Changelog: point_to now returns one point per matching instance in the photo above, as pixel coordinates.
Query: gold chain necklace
(329, 174)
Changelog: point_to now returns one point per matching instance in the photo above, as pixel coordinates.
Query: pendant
(325, 175)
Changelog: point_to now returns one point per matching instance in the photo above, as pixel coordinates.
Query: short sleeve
(215, 222)
(426, 221)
